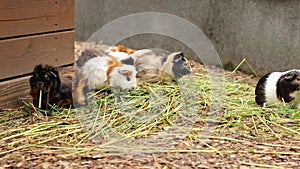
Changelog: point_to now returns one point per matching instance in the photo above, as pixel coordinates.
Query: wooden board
(18, 56)
(23, 17)
(14, 92)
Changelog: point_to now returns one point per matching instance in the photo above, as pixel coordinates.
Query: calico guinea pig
(101, 72)
(55, 91)
(121, 48)
(155, 65)
(279, 87)
(84, 56)
(119, 53)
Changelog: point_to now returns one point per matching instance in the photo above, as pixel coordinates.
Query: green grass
(134, 121)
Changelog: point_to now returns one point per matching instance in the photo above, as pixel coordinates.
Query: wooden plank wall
(26, 17)
(14, 92)
(32, 32)
(19, 55)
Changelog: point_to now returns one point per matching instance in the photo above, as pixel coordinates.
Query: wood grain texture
(14, 92)
(23, 17)
(18, 56)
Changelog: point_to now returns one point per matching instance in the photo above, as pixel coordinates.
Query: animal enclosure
(32, 32)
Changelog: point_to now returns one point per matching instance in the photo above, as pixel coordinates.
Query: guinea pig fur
(55, 91)
(122, 57)
(176, 65)
(84, 56)
(118, 53)
(123, 78)
(101, 72)
(278, 87)
(121, 48)
(152, 64)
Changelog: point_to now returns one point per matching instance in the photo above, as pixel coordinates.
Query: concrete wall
(265, 32)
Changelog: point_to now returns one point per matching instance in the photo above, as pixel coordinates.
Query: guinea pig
(123, 78)
(119, 53)
(278, 87)
(54, 90)
(154, 65)
(101, 72)
(84, 56)
(121, 48)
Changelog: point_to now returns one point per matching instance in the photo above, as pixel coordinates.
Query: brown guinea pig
(54, 89)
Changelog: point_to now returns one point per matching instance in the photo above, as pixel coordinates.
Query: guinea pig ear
(53, 72)
(290, 76)
(125, 72)
(38, 68)
(178, 57)
(128, 61)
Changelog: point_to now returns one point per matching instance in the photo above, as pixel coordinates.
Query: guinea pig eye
(35, 75)
(128, 78)
(46, 77)
(289, 77)
(187, 66)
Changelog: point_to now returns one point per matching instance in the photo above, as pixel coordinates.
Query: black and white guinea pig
(279, 87)
(153, 65)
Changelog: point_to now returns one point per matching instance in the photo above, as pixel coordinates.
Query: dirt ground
(234, 151)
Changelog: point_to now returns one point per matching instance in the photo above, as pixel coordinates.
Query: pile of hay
(153, 118)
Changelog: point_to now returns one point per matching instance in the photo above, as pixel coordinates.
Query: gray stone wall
(265, 32)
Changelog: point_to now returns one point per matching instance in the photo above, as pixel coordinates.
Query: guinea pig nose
(40, 84)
